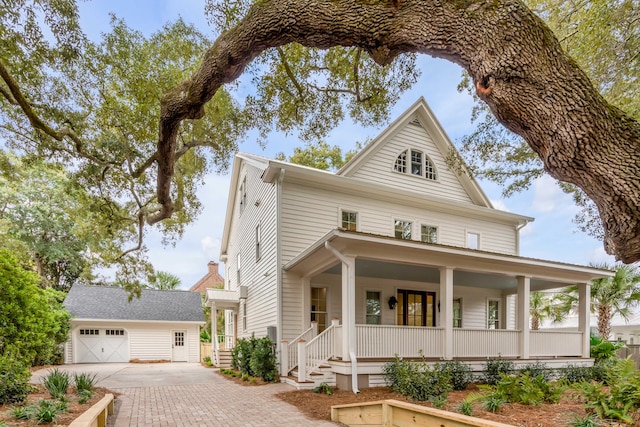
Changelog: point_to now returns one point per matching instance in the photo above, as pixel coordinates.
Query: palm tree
(610, 296)
(544, 306)
(165, 281)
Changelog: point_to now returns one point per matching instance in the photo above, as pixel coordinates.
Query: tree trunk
(535, 323)
(516, 62)
(604, 321)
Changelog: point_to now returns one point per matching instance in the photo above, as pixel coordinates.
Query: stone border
(402, 414)
(96, 416)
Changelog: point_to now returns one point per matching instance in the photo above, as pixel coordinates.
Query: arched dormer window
(415, 162)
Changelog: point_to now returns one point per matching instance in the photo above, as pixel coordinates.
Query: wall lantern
(393, 301)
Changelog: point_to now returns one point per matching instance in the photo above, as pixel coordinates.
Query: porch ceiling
(387, 258)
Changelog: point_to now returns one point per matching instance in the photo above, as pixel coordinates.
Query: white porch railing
(555, 343)
(485, 342)
(292, 346)
(226, 342)
(318, 351)
(406, 341)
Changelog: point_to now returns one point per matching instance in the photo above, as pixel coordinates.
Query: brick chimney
(213, 267)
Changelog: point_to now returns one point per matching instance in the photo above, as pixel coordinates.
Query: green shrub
(48, 410)
(575, 374)
(438, 401)
(537, 369)
(14, 380)
(466, 408)
(493, 403)
(323, 388)
(527, 390)
(590, 420)
(241, 355)
(23, 412)
(263, 360)
(494, 368)
(57, 383)
(416, 379)
(460, 373)
(245, 377)
(603, 350)
(84, 396)
(84, 381)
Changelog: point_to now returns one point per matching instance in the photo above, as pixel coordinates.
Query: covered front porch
(393, 297)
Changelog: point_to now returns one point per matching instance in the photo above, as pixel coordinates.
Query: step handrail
(292, 346)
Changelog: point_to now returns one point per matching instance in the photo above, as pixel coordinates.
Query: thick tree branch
(529, 83)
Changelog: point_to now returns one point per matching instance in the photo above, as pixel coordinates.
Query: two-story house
(396, 253)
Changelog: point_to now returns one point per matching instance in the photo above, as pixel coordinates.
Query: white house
(107, 327)
(396, 253)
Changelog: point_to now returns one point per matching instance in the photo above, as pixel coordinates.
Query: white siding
(149, 340)
(379, 168)
(258, 275)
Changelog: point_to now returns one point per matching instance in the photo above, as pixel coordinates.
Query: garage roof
(110, 302)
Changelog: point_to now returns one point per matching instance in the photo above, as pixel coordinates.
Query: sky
(552, 236)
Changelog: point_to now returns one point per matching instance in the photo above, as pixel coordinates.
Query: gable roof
(111, 303)
(212, 279)
(421, 112)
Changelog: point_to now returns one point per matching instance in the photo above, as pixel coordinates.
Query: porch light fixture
(393, 301)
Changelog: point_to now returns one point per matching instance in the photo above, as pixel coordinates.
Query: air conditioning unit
(244, 292)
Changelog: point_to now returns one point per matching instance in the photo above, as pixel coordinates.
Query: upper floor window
(473, 240)
(402, 229)
(258, 243)
(428, 234)
(238, 268)
(243, 194)
(349, 220)
(420, 164)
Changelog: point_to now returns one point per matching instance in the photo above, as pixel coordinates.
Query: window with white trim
(473, 240)
(402, 229)
(114, 332)
(428, 234)
(457, 313)
(89, 332)
(244, 315)
(420, 164)
(374, 308)
(238, 268)
(243, 194)
(349, 220)
(493, 314)
(258, 243)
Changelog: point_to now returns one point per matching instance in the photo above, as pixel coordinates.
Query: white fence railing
(292, 346)
(406, 341)
(485, 342)
(226, 342)
(320, 349)
(555, 343)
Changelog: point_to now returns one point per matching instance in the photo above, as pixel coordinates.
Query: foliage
(84, 381)
(255, 357)
(526, 389)
(438, 401)
(57, 383)
(620, 399)
(493, 403)
(575, 374)
(495, 368)
(543, 306)
(48, 410)
(319, 155)
(84, 396)
(416, 379)
(205, 336)
(537, 369)
(32, 320)
(323, 388)
(590, 420)
(466, 408)
(23, 412)
(602, 350)
(460, 373)
(164, 281)
(14, 380)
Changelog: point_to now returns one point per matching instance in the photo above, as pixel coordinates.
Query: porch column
(584, 319)
(348, 306)
(446, 310)
(524, 290)
(305, 283)
(214, 335)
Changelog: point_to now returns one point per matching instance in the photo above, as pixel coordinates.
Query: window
(349, 220)
(416, 308)
(115, 332)
(457, 313)
(243, 194)
(421, 165)
(258, 242)
(473, 240)
(374, 309)
(402, 229)
(428, 234)
(238, 268)
(493, 314)
(89, 332)
(319, 307)
(244, 315)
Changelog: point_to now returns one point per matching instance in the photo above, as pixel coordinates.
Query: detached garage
(107, 327)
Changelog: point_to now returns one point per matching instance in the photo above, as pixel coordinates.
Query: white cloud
(528, 230)
(548, 197)
(211, 247)
(500, 205)
(599, 256)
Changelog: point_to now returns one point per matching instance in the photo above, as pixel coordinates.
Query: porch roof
(387, 257)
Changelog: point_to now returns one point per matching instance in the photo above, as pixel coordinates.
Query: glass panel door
(319, 307)
(416, 308)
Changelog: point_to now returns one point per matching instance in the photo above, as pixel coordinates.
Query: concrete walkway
(187, 394)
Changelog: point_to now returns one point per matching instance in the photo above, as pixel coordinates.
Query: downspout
(518, 228)
(352, 325)
(279, 257)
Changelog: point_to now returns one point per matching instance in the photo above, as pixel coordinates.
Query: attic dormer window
(420, 165)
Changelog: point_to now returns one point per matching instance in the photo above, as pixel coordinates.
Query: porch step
(225, 359)
(323, 374)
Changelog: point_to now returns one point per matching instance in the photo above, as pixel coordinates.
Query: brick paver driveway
(187, 394)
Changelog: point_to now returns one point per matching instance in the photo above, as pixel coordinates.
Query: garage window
(89, 331)
(119, 332)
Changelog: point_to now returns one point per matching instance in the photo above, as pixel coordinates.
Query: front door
(319, 307)
(416, 308)
(180, 346)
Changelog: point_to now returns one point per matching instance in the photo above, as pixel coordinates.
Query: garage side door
(102, 345)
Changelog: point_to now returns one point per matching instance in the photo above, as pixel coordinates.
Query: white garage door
(102, 345)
